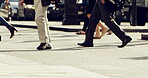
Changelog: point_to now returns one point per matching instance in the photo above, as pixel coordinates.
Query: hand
(103, 1)
(21, 2)
(88, 15)
(52, 2)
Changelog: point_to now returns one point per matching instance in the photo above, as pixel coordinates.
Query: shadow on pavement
(17, 50)
(137, 58)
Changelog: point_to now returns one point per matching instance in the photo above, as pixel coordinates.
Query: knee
(39, 18)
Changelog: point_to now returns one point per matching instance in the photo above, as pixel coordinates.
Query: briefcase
(45, 2)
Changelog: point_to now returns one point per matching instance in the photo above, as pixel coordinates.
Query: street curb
(75, 30)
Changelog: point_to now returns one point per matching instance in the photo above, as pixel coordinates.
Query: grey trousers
(42, 22)
(101, 11)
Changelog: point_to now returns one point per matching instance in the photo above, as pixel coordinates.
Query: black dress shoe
(12, 29)
(86, 44)
(44, 46)
(125, 42)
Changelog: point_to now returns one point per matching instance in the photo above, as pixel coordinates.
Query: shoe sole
(44, 48)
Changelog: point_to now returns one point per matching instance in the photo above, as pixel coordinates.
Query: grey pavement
(25, 41)
(20, 59)
(13, 67)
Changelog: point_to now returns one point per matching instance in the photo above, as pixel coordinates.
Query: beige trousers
(42, 22)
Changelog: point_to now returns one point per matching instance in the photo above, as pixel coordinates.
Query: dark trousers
(4, 22)
(101, 11)
(86, 23)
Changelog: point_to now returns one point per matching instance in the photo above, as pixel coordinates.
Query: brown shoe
(81, 32)
(97, 37)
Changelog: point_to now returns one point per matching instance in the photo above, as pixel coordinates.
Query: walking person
(86, 22)
(5, 23)
(100, 10)
(8, 26)
(41, 20)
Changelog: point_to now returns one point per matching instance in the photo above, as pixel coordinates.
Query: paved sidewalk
(73, 28)
(13, 67)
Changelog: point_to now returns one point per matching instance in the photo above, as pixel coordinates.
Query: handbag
(45, 2)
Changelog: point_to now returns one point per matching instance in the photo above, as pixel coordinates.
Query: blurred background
(11, 10)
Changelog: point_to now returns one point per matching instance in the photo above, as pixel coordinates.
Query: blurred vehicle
(54, 13)
(26, 11)
(55, 10)
(14, 7)
(58, 10)
(5, 10)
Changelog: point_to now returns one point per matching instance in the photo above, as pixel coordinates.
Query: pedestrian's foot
(12, 30)
(86, 44)
(81, 32)
(104, 31)
(125, 42)
(110, 32)
(44, 46)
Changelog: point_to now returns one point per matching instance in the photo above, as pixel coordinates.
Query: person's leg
(47, 27)
(4, 22)
(113, 25)
(8, 26)
(104, 29)
(97, 34)
(95, 17)
(41, 21)
(86, 22)
(109, 21)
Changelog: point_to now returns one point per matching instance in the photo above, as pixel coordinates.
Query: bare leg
(104, 29)
(8, 26)
(97, 35)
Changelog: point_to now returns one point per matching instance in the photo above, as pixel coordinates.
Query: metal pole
(134, 13)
